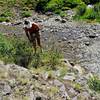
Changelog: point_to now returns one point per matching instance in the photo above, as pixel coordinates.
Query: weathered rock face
(18, 83)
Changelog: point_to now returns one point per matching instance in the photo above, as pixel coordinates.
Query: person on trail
(33, 34)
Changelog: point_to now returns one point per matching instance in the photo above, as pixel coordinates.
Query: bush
(4, 19)
(90, 14)
(97, 7)
(5, 49)
(41, 5)
(71, 3)
(91, 1)
(26, 13)
(47, 58)
(53, 5)
(94, 83)
(15, 50)
(97, 11)
(81, 9)
(6, 13)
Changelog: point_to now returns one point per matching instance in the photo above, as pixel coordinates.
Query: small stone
(57, 83)
(38, 98)
(87, 43)
(49, 13)
(78, 68)
(72, 92)
(62, 88)
(75, 98)
(45, 76)
(57, 19)
(57, 73)
(7, 89)
(69, 78)
(66, 62)
(92, 36)
(63, 21)
(64, 39)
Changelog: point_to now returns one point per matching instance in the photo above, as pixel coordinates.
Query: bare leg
(34, 45)
(33, 41)
(39, 41)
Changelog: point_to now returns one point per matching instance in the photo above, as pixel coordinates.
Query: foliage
(81, 9)
(94, 83)
(53, 5)
(5, 49)
(17, 50)
(4, 19)
(41, 5)
(71, 3)
(88, 13)
(56, 6)
(91, 1)
(47, 58)
(26, 13)
(14, 50)
(5, 15)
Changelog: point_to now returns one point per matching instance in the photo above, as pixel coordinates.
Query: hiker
(33, 34)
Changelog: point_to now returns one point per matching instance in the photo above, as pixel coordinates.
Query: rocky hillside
(18, 83)
(76, 77)
(73, 79)
(78, 41)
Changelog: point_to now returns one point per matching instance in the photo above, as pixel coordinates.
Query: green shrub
(97, 7)
(22, 51)
(81, 9)
(4, 19)
(26, 13)
(47, 58)
(91, 1)
(41, 5)
(94, 83)
(6, 13)
(63, 14)
(5, 49)
(53, 5)
(54, 58)
(89, 14)
(15, 50)
(71, 3)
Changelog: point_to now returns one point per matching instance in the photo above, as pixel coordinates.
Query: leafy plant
(94, 83)
(15, 50)
(81, 9)
(4, 19)
(90, 1)
(89, 14)
(26, 14)
(72, 3)
(53, 5)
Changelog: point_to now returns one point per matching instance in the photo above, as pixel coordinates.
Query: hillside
(69, 66)
(18, 83)
(84, 9)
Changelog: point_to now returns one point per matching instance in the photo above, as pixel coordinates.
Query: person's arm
(27, 34)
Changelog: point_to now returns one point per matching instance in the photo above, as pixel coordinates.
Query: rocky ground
(18, 83)
(78, 41)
